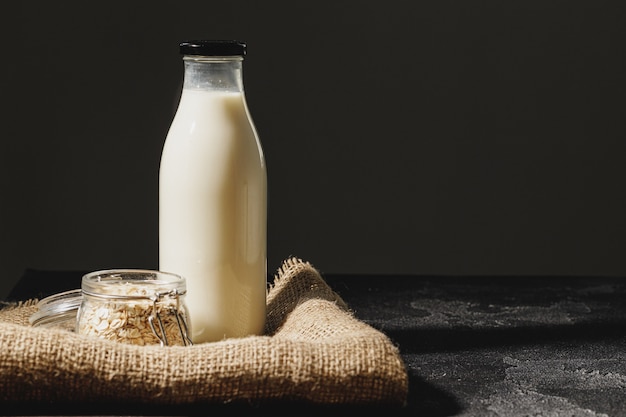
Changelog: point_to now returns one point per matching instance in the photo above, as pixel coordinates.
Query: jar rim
(113, 282)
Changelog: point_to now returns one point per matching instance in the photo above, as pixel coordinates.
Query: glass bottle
(213, 196)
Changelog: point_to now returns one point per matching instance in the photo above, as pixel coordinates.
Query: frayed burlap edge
(314, 350)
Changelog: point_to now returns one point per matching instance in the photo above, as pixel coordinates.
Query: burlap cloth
(313, 350)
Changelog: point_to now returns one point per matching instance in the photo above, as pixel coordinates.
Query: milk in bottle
(213, 196)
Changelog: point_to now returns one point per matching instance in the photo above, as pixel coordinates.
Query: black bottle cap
(213, 48)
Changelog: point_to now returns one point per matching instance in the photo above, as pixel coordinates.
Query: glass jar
(139, 307)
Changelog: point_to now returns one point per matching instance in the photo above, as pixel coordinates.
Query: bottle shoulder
(223, 108)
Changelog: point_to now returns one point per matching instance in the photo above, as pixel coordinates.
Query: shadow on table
(427, 400)
(424, 400)
(439, 340)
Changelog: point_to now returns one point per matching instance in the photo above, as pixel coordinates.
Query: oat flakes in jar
(140, 307)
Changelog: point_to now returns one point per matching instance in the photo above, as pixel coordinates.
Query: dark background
(408, 137)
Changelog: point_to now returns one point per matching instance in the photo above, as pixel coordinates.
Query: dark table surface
(473, 346)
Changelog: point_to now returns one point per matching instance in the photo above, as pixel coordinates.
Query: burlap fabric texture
(313, 350)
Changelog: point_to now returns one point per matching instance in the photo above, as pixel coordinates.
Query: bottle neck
(213, 73)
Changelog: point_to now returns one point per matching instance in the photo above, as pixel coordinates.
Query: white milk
(213, 214)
